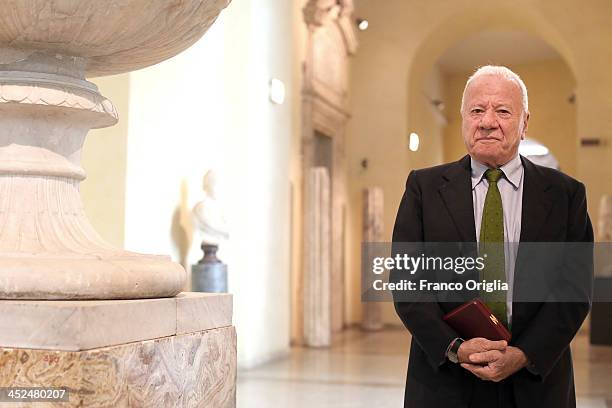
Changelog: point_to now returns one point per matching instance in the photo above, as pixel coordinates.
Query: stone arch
(489, 16)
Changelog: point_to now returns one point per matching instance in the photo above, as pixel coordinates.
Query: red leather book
(474, 319)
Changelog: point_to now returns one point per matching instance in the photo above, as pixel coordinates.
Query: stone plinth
(373, 211)
(174, 352)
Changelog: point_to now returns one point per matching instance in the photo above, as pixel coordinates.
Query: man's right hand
(478, 345)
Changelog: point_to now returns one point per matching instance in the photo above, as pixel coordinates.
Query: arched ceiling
(495, 47)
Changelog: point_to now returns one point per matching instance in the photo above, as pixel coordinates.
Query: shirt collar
(513, 171)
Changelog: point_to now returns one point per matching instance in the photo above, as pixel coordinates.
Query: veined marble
(189, 370)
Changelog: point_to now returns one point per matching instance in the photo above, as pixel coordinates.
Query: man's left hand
(495, 365)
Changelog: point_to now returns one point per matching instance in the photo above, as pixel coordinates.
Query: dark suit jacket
(437, 207)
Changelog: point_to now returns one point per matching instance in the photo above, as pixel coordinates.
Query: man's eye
(503, 112)
(477, 110)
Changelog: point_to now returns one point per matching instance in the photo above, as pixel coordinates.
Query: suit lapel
(536, 202)
(456, 193)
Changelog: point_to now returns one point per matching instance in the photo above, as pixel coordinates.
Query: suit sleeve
(423, 318)
(554, 326)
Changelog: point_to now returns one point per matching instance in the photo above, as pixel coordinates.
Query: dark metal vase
(209, 274)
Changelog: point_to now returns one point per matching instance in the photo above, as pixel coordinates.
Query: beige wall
(553, 119)
(104, 159)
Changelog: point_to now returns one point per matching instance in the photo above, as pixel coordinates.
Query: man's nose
(488, 121)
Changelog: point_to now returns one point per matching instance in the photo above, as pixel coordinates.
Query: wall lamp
(362, 24)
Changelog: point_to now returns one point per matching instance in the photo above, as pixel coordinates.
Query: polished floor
(366, 370)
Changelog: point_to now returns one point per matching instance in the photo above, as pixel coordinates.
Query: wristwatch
(453, 350)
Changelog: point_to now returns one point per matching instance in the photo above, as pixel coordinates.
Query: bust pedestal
(209, 274)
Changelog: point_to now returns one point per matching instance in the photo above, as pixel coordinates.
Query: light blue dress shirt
(511, 190)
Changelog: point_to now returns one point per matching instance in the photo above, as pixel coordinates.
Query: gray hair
(503, 72)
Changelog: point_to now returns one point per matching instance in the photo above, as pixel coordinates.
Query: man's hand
(478, 345)
(496, 365)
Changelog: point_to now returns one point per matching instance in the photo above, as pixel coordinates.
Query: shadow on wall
(182, 227)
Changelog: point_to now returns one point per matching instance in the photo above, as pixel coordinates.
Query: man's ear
(525, 125)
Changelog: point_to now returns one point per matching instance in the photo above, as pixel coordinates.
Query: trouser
(488, 394)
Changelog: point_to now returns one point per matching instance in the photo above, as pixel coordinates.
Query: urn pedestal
(75, 312)
(48, 248)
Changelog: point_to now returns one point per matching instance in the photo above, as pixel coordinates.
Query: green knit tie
(492, 244)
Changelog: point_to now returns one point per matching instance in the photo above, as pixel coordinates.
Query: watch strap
(452, 353)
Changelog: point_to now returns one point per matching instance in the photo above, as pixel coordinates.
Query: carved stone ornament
(318, 13)
(48, 248)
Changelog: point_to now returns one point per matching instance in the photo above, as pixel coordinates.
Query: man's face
(493, 120)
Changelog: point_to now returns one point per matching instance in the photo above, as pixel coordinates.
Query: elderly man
(493, 193)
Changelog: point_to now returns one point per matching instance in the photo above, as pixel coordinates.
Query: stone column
(604, 225)
(373, 211)
(317, 260)
(603, 268)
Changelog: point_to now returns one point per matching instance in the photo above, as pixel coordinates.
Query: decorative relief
(35, 94)
(330, 65)
(319, 12)
(339, 13)
(50, 250)
(333, 40)
(53, 217)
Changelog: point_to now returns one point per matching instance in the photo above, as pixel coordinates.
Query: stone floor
(368, 370)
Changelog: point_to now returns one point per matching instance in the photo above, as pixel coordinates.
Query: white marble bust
(208, 214)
